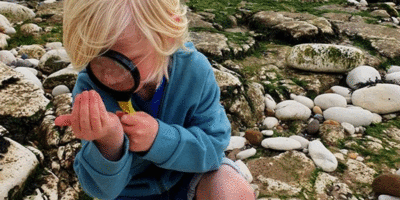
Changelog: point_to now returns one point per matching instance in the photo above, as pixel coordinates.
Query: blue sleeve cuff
(99, 163)
(165, 144)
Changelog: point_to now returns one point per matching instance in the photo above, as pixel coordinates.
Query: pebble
(387, 197)
(254, 137)
(344, 151)
(352, 155)
(305, 101)
(270, 122)
(313, 127)
(270, 102)
(292, 110)
(389, 116)
(246, 153)
(246, 172)
(29, 76)
(303, 141)
(343, 91)
(322, 157)
(24, 56)
(362, 74)
(317, 110)
(339, 156)
(319, 117)
(376, 118)
(6, 57)
(60, 89)
(281, 143)
(359, 158)
(388, 184)
(236, 142)
(325, 101)
(393, 77)
(331, 122)
(349, 128)
(268, 132)
(393, 69)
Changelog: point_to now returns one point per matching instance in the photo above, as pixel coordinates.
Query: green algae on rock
(325, 58)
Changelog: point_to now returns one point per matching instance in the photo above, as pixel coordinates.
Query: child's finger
(84, 113)
(63, 120)
(128, 119)
(102, 110)
(119, 114)
(95, 120)
(75, 116)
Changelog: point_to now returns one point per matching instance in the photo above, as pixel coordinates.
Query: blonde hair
(91, 26)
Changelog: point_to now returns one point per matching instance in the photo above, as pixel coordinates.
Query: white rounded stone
(7, 57)
(270, 122)
(393, 77)
(29, 76)
(362, 74)
(325, 101)
(6, 25)
(292, 110)
(281, 143)
(60, 89)
(393, 69)
(349, 128)
(381, 99)
(246, 153)
(268, 132)
(355, 117)
(35, 62)
(387, 197)
(376, 118)
(245, 171)
(236, 142)
(343, 91)
(16, 12)
(303, 141)
(322, 157)
(305, 101)
(398, 172)
(270, 102)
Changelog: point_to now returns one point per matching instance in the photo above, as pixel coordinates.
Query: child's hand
(91, 121)
(141, 129)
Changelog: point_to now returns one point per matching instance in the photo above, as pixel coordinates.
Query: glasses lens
(112, 74)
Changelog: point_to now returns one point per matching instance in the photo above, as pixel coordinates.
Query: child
(173, 147)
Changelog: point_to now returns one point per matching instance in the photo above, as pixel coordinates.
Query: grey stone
(325, 57)
(6, 57)
(313, 127)
(29, 76)
(16, 12)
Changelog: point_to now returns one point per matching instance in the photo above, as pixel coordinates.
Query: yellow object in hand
(126, 106)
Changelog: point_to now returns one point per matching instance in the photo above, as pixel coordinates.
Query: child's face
(134, 45)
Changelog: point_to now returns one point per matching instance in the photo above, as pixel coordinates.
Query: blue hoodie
(192, 136)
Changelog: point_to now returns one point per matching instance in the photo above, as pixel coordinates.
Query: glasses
(117, 75)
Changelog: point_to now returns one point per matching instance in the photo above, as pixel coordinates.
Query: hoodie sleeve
(98, 176)
(199, 145)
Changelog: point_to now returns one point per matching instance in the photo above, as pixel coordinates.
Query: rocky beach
(311, 88)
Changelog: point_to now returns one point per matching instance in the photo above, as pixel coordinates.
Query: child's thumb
(63, 120)
(128, 119)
